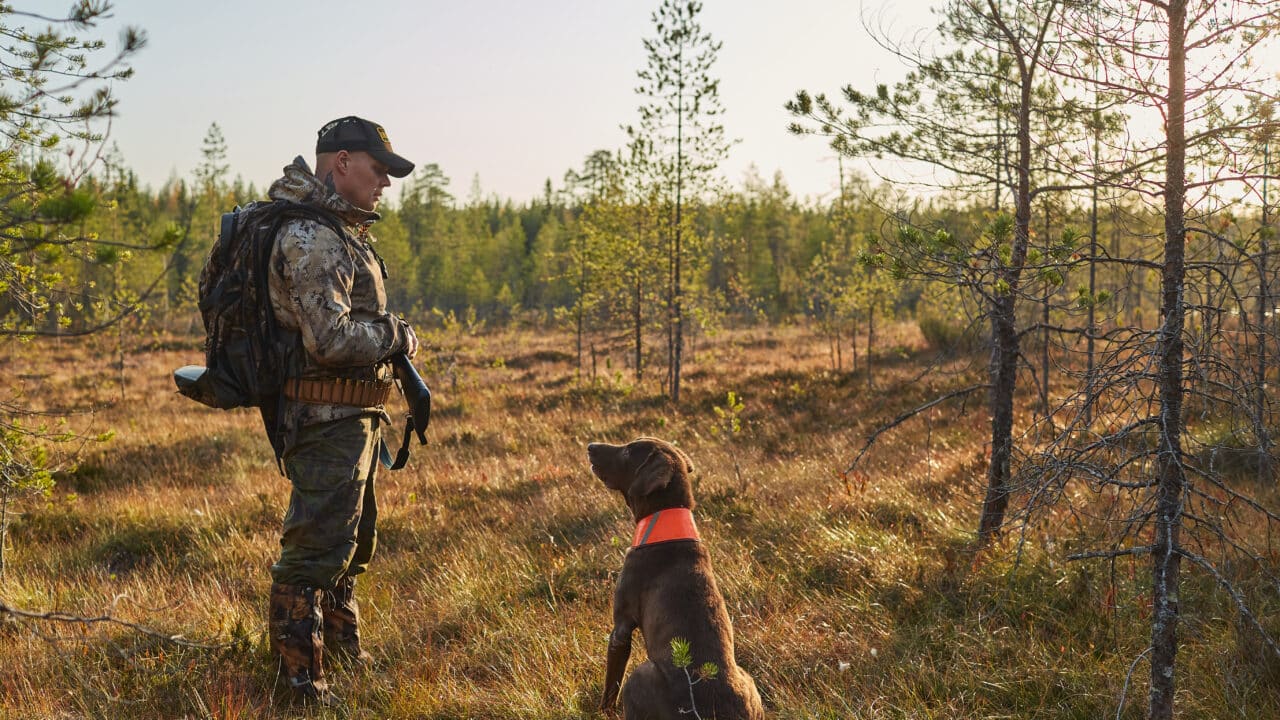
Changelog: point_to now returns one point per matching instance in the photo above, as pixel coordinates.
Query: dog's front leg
(616, 665)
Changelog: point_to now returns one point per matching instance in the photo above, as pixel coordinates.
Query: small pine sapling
(682, 658)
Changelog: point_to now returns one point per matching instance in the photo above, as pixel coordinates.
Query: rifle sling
(402, 455)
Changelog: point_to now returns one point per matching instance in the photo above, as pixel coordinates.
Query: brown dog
(667, 590)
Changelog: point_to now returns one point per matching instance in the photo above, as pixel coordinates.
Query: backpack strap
(228, 227)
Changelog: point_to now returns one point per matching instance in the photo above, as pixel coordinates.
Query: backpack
(247, 355)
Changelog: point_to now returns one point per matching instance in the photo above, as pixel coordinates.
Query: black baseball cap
(359, 135)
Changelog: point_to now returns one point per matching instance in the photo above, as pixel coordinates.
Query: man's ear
(652, 475)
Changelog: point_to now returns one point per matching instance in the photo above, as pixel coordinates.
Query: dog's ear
(652, 475)
(684, 457)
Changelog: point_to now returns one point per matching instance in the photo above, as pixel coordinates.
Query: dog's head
(651, 474)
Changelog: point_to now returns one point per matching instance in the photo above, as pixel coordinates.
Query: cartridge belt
(339, 391)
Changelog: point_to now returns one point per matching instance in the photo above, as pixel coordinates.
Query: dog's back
(670, 591)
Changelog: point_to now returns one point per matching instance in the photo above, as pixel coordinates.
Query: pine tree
(993, 81)
(680, 133)
(55, 95)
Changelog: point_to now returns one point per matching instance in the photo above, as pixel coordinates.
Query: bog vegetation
(853, 597)
(958, 443)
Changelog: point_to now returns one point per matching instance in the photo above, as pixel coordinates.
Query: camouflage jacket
(328, 288)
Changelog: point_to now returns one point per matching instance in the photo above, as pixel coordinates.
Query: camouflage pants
(329, 529)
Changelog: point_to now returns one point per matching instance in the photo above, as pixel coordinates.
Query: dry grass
(490, 593)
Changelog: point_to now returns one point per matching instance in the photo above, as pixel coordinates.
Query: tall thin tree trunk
(1091, 322)
(1004, 368)
(677, 317)
(853, 347)
(637, 312)
(582, 290)
(670, 308)
(4, 524)
(1044, 317)
(1166, 559)
(677, 349)
(578, 340)
(871, 339)
(1004, 351)
(637, 317)
(1002, 157)
(1264, 309)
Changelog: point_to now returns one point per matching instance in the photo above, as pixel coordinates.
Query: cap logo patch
(383, 134)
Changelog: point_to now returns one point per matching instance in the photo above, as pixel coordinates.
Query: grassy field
(490, 594)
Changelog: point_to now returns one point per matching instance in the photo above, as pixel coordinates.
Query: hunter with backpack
(315, 354)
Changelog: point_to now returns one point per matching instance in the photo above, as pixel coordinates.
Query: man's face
(362, 183)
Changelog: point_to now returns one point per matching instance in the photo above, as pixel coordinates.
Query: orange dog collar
(664, 526)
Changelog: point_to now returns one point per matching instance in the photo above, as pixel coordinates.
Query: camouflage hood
(300, 185)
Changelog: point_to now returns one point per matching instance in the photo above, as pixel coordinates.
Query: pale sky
(512, 91)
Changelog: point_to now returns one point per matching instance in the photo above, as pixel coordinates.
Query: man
(327, 293)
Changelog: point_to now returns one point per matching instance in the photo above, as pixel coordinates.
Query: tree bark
(1004, 368)
(1264, 310)
(1044, 318)
(1171, 482)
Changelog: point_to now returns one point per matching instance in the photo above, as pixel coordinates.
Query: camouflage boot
(342, 623)
(296, 635)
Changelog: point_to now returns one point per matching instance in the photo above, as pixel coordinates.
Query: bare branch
(104, 619)
(1111, 554)
(871, 439)
(1236, 597)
